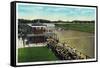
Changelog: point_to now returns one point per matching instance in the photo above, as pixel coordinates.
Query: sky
(54, 13)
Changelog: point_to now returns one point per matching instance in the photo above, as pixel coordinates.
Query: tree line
(48, 21)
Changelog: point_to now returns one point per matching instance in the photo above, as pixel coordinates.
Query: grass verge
(79, 27)
(31, 54)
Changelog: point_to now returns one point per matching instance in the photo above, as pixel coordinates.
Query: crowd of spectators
(62, 51)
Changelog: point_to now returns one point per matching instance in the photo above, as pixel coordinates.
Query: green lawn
(31, 54)
(84, 27)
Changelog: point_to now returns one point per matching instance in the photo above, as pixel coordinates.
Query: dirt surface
(81, 41)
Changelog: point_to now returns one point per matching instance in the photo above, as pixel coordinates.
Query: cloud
(52, 12)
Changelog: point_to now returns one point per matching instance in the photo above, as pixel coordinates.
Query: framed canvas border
(13, 32)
